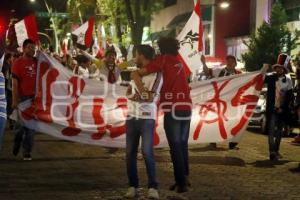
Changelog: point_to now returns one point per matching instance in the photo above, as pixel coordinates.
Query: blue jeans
(137, 128)
(177, 132)
(276, 125)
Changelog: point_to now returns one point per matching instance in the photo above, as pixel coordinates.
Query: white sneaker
(131, 193)
(153, 194)
(27, 157)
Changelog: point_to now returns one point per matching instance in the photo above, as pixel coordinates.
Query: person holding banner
(24, 72)
(176, 103)
(107, 67)
(141, 123)
(83, 66)
(229, 70)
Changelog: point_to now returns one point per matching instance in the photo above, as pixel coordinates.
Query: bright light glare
(224, 5)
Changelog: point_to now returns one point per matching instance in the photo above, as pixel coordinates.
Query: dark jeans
(276, 125)
(9, 102)
(23, 135)
(177, 132)
(137, 128)
(2, 131)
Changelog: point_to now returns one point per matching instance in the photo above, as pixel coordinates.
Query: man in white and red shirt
(176, 103)
(24, 71)
(141, 123)
(283, 99)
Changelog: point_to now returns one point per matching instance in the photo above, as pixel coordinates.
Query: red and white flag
(191, 41)
(84, 34)
(26, 29)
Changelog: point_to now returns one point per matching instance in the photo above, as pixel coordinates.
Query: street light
(32, 1)
(224, 5)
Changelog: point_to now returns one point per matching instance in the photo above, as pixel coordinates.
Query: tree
(139, 15)
(112, 14)
(120, 14)
(80, 10)
(58, 25)
(271, 39)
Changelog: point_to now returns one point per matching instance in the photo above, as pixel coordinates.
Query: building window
(208, 37)
(293, 14)
(207, 18)
(170, 3)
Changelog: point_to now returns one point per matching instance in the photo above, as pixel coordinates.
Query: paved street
(65, 170)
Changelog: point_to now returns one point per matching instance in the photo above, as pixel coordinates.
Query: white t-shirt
(144, 110)
(283, 84)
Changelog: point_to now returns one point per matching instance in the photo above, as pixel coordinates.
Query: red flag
(201, 30)
(26, 29)
(84, 33)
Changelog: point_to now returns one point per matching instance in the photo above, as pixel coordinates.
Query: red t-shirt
(25, 71)
(175, 92)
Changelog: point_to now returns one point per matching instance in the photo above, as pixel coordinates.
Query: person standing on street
(229, 70)
(281, 98)
(176, 103)
(24, 72)
(141, 123)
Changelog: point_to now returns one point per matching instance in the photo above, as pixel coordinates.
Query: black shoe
(187, 181)
(16, 149)
(213, 145)
(232, 145)
(182, 189)
(273, 156)
(173, 187)
(279, 155)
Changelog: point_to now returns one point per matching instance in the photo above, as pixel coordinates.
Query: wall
(263, 10)
(293, 26)
(231, 22)
(161, 19)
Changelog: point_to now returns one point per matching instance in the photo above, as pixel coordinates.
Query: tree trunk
(136, 24)
(54, 28)
(118, 24)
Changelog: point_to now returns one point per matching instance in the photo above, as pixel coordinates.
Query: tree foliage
(80, 10)
(271, 39)
(139, 14)
(124, 15)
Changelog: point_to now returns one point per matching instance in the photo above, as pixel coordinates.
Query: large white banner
(94, 112)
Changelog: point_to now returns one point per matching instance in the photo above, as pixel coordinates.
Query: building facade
(226, 26)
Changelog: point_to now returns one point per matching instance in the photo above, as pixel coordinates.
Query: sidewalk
(69, 171)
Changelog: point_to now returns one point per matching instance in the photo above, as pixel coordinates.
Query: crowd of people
(158, 79)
